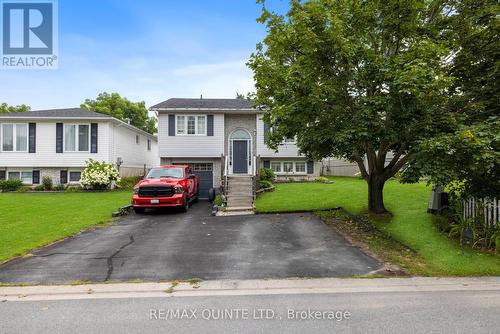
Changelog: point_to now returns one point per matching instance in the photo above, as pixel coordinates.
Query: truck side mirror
(191, 176)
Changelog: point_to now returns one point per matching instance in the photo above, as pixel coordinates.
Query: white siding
(46, 155)
(286, 150)
(123, 144)
(191, 146)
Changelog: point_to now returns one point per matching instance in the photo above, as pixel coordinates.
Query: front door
(240, 157)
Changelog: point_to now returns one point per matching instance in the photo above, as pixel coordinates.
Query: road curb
(247, 287)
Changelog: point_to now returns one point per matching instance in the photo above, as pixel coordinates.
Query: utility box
(438, 200)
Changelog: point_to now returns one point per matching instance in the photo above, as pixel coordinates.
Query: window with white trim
(76, 137)
(288, 167)
(300, 167)
(276, 166)
(25, 176)
(14, 137)
(74, 176)
(194, 125)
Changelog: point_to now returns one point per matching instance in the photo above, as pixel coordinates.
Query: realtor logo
(29, 34)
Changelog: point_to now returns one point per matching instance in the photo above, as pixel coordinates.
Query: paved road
(370, 312)
(174, 245)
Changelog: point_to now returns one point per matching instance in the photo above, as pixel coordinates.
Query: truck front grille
(156, 191)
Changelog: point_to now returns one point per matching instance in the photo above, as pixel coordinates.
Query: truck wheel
(139, 210)
(185, 207)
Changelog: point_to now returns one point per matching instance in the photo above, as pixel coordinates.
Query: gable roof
(56, 113)
(204, 104)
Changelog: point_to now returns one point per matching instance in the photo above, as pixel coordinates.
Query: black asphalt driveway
(173, 245)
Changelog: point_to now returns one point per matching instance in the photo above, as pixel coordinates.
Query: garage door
(206, 174)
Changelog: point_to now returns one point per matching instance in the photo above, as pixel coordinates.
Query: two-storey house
(58, 142)
(224, 140)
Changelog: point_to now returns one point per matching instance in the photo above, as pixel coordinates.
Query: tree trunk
(376, 194)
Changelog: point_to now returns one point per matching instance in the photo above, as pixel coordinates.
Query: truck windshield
(158, 173)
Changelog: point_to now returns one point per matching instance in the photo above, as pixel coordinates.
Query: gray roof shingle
(54, 113)
(186, 103)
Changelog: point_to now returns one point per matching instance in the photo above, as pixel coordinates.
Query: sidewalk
(247, 287)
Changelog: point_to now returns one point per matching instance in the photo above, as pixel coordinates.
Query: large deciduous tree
(119, 107)
(471, 153)
(359, 80)
(4, 107)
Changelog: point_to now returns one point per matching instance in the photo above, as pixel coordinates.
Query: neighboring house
(224, 139)
(58, 142)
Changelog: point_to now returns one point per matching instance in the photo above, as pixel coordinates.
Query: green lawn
(410, 223)
(28, 221)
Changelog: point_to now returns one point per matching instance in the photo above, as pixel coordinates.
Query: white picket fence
(490, 207)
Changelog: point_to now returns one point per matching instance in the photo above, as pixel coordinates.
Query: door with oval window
(240, 151)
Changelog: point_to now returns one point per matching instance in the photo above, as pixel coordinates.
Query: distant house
(225, 139)
(57, 143)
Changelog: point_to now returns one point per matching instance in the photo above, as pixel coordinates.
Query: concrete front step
(236, 196)
(231, 204)
(239, 208)
(239, 193)
(239, 185)
(245, 193)
(239, 198)
(239, 188)
(240, 178)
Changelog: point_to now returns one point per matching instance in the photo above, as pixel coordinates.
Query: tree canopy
(471, 153)
(356, 79)
(4, 107)
(119, 107)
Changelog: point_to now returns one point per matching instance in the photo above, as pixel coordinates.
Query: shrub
(23, 189)
(72, 189)
(60, 187)
(10, 185)
(39, 187)
(266, 174)
(128, 182)
(322, 179)
(47, 183)
(219, 200)
(265, 184)
(99, 175)
(494, 239)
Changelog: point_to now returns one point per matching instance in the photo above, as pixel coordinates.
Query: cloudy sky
(147, 50)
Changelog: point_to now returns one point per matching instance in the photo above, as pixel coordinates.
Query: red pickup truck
(166, 186)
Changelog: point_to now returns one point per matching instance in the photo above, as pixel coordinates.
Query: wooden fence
(489, 208)
(337, 167)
